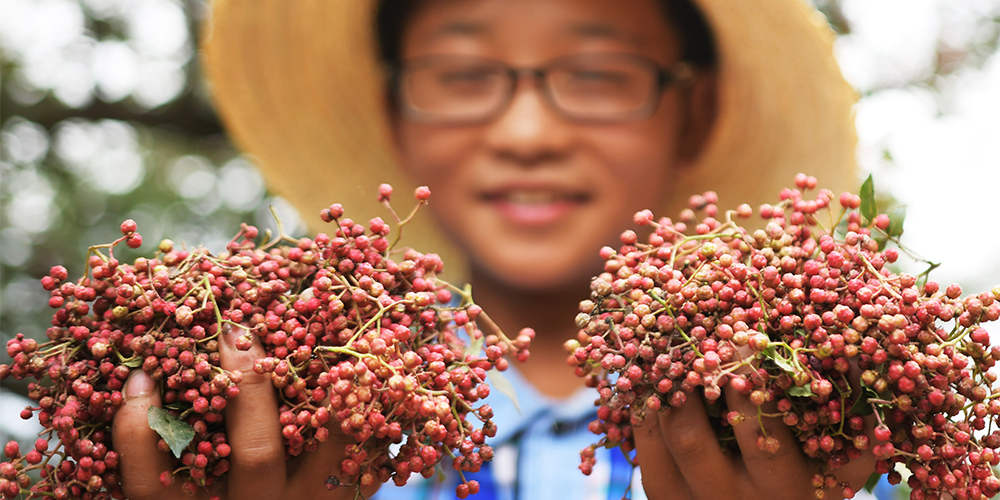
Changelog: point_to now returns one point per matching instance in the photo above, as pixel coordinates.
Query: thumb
(140, 462)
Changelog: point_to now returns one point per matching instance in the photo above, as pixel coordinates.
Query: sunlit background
(104, 116)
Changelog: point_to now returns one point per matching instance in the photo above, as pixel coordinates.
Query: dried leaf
(176, 432)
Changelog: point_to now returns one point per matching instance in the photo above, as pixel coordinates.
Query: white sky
(946, 166)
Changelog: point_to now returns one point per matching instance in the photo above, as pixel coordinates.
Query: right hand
(258, 469)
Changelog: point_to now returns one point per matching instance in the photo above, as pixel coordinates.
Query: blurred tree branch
(948, 59)
(188, 115)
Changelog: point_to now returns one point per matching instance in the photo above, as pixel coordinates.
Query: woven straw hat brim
(298, 86)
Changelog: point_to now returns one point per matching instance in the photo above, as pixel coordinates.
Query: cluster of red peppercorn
(782, 314)
(357, 335)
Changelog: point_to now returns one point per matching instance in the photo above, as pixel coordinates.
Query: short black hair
(697, 42)
(390, 19)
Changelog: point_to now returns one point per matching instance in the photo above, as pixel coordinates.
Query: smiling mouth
(519, 197)
(535, 207)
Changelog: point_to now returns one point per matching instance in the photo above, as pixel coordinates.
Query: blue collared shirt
(537, 454)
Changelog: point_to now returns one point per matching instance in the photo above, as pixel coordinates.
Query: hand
(258, 467)
(682, 460)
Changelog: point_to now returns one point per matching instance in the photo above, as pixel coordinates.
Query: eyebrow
(600, 30)
(464, 28)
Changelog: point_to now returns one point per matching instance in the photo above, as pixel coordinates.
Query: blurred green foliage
(83, 149)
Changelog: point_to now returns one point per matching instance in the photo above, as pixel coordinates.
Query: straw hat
(298, 85)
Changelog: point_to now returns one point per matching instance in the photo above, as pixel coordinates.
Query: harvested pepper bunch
(807, 318)
(360, 337)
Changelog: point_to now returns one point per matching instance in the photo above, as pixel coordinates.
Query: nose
(529, 131)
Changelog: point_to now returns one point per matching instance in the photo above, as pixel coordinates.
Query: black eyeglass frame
(666, 76)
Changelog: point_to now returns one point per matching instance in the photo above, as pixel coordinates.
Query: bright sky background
(945, 147)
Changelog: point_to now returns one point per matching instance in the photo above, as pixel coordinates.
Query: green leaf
(880, 238)
(786, 364)
(500, 383)
(801, 391)
(841, 228)
(896, 217)
(176, 432)
(872, 481)
(475, 346)
(770, 352)
(861, 407)
(133, 362)
(868, 207)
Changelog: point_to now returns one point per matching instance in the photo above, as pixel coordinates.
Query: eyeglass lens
(461, 88)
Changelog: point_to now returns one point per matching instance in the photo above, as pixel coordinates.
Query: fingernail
(230, 334)
(139, 384)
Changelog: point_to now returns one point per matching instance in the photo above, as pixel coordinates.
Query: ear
(698, 104)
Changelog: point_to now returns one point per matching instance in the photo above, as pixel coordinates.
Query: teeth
(532, 197)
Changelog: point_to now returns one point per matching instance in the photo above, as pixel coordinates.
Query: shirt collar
(535, 406)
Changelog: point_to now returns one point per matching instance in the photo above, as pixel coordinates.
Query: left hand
(681, 458)
(259, 468)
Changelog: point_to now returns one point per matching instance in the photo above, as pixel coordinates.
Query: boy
(541, 126)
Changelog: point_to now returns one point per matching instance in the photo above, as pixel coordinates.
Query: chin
(540, 275)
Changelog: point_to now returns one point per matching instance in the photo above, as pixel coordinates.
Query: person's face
(530, 195)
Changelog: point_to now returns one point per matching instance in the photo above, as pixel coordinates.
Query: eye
(466, 80)
(460, 77)
(599, 77)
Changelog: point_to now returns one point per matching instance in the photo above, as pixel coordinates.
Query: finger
(325, 461)
(857, 470)
(140, 462)
(775, 471)
(661, 478)
(317, 466)
(693, 443)
(258, 451)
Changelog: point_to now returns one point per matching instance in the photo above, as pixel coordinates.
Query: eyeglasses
(586, 87)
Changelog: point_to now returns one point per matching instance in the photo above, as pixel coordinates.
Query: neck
(550, 313)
